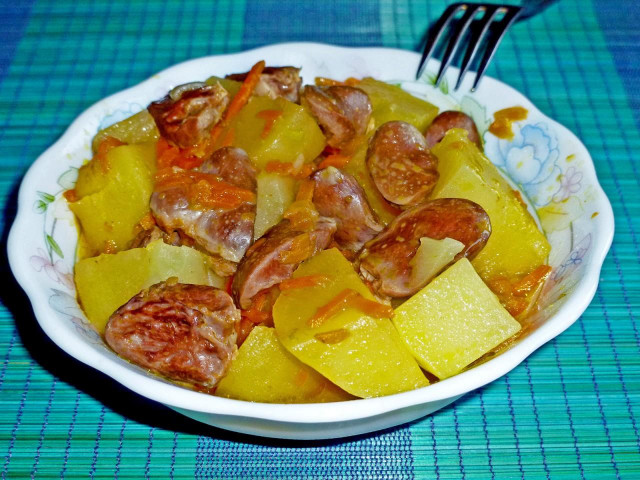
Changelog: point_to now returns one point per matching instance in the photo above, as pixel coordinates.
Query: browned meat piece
(184, 332)
(233, 166)
(448, 120)
(401, 166)
(339, 196)
(185, 116)
(275, 82)
(222, 232)
(275, 256)
(384, 262)
(342, 112)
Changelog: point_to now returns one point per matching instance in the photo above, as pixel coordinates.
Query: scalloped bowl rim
(181, 398)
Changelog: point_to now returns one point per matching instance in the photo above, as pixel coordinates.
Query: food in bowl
(260, 240)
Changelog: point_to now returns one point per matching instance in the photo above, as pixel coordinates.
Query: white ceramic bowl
(548, 163)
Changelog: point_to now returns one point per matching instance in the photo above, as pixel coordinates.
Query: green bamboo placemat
(570, 411)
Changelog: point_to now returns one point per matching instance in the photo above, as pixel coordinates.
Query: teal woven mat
(570, 411)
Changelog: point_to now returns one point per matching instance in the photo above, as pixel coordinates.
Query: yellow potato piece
(362, 355)
(516, 245)
(275, 194)
(106, 282)
(453, 321)
(431, 257)
(231, 86)
(263, 371)
(114, 204)
(138, 128)
(294, 135)
(390, 103)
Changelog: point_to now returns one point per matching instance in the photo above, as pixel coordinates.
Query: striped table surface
(570, 411)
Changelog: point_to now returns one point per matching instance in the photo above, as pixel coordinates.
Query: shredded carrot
(532, 280)
(269, 117)
(203, 190)
(171, 156)
(336, 160)
(332, 337)
(239, 100)
(147, 222)
(346, 299)
(228, 138)
(255, 316)
(305, 191)
(105, 147)
(518, 196)
(304, 282)
(70, 195)
(110, 246)
(286, 168)
(301, 249)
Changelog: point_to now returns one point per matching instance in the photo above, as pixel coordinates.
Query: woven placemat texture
(570, 411)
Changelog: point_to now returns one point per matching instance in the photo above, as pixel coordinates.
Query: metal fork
(510, 13)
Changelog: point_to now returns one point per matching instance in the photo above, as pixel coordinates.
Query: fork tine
(435, 34)
(476, 40)
(510, 16)
(459, 30)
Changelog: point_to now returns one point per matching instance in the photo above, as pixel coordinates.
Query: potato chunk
(108, 281)
(263, 371)
(274, 130)
(390, 103)
(114, 196)
(275, 194)
(361, 354)
(138, 128)
(453, 321)
(516, 246)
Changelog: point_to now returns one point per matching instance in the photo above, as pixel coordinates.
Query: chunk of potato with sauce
(275, 194)
(390, 102)
(453, 321)
(292, 135)
(363, 355)
(516, 245)
(114, 195)
(108, 281)
(138, 128)
(263, 371)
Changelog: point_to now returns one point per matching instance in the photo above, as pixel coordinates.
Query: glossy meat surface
(448, 120)
(385, 261)
(184, 332)
(223, 232)
(339, 196)
(401, 166)
(275, 256)
(185, 117)
(342, 112)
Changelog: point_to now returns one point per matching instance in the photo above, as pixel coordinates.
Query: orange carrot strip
(286, 168)
(346, 299)
(336, 160)
(171, 156)
(104, 147)
(336, 305)
(371, 307)
(304, 282)
(239, 100)
(532, 280)
(269, 117)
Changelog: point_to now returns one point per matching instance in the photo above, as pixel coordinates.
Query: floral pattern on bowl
(544, 160)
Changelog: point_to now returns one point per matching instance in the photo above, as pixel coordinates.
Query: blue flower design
(530, 160)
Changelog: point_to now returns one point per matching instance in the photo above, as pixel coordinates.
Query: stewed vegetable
(259, 239)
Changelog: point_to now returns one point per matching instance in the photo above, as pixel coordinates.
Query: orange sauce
(503, 121)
